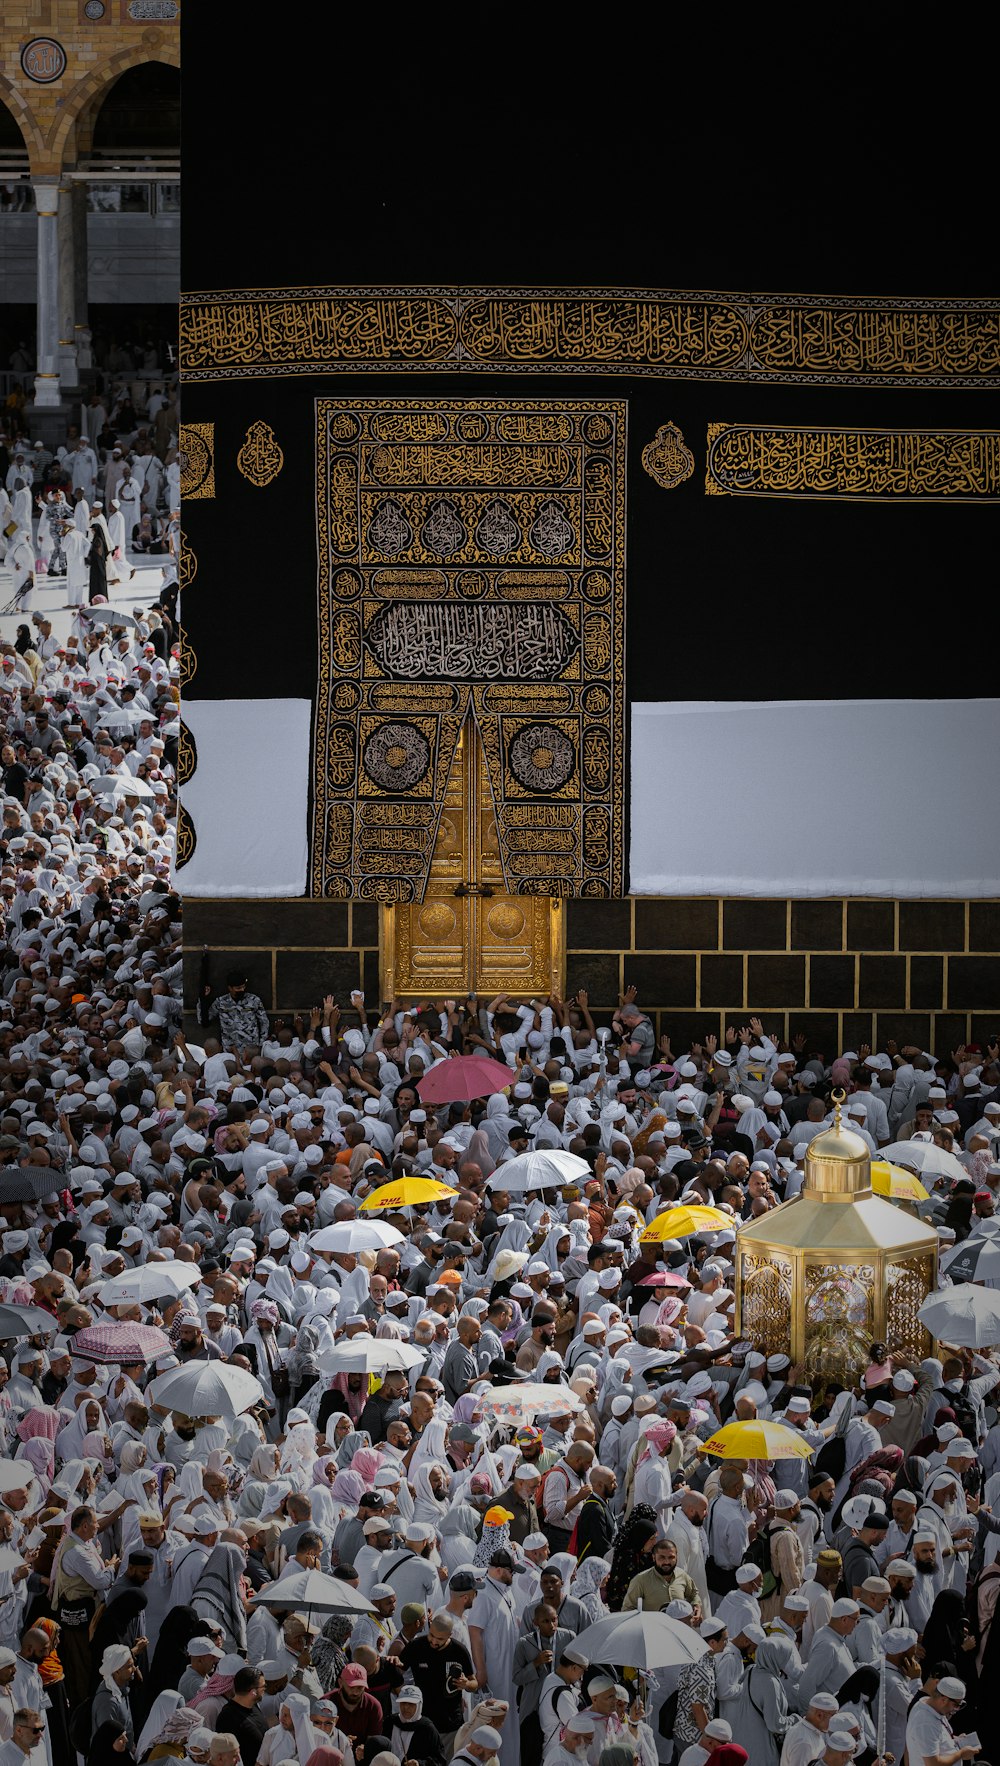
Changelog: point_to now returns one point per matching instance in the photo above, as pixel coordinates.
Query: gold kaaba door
(468, 934)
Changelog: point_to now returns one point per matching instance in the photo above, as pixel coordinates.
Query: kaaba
(573, 531)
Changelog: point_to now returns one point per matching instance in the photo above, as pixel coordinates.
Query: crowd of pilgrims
(845, 1599)
(78, 518)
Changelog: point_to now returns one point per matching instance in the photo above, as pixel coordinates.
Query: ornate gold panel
(471, 563)
(468, 932)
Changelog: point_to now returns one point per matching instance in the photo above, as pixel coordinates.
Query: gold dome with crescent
(837, 1160)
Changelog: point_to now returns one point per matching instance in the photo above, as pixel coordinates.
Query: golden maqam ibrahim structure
(837, 1268)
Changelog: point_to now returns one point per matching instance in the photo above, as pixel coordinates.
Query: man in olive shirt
(657, 1587)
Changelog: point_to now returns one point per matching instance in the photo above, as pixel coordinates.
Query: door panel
(483, 939)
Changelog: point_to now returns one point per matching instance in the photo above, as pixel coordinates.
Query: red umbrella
(465, 1076)
(122, 1342)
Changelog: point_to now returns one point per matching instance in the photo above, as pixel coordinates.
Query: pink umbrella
(465, 1076)
(665, 1278)
(122, 1342)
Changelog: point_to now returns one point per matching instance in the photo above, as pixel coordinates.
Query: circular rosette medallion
(542, 758)
(397, 756)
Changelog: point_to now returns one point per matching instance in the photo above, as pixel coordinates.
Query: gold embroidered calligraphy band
(471, 560)
(873, 465)
(784, 339)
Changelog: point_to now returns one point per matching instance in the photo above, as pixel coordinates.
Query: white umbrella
(355, 1235)
(154, 1281)
(546, 1168)
(965, 1317)
(977, 1260)
(357, 1355)
(522, 1402)
(206, 1388)
(315, 1590)
(924, 1157)
(646, 1641)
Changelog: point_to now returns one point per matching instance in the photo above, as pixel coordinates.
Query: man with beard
(901, 1577)
(930, 1578)
(819, 1593)
(813, 1512)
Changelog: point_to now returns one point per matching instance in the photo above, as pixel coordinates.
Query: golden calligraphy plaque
(783, 339)
(471, 562)
(260, 459)
(870, 465)
(667, 459)
(197, 460)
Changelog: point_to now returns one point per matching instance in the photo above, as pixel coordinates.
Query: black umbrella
(25, 1321)
(28, 1183)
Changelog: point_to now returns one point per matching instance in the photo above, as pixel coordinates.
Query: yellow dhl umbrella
(680, 1223)
(897, 1184)
(409, 1192)
(757, 1440)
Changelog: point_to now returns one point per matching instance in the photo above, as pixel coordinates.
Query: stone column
(81, 263)
(47, 376)
(67, 359)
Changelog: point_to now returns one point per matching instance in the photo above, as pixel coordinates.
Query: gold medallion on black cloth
(471, 562)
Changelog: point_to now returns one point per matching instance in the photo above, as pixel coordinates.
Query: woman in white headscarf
(88, 1417)
(587, 1582)
(164, 1705)
(138, 1490)
(496, 1126)
(298, 1453)
(431, 1448)
(557, 1245)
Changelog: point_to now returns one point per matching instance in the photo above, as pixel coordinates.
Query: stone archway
(80, 106)
(17, 106)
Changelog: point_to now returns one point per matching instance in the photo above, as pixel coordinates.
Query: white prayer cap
(593, 1328)
(899, 1639)
(679, 1609)
(844, 1609)
(746, 1573)
(722, 1058)
(903, 1381)
(602, 1683)
(842, 1742)
(925, 1538)
(772, 1100)
(711, 1627)
(260, 1126)
(718, 1729)
(580, 1723)
(823, 1701)
(796, 1603)
(907, 1496)
(883, 1407)
(951, 1687)
(785, 1499)
(620, 1404)
(800, 1405)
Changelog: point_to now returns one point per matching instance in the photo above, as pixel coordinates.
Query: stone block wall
(842, 971)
